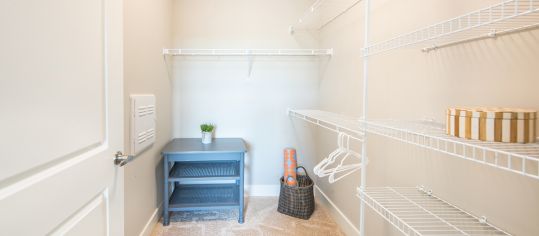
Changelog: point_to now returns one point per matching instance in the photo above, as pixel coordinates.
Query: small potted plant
(207, 132)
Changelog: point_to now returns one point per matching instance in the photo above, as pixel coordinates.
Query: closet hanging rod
(331, 121)
(247, 52)
(505, 17)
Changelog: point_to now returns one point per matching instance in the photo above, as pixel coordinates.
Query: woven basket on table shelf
(297, 201)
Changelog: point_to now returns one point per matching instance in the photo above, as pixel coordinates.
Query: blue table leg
(241, 218)
(166, 219)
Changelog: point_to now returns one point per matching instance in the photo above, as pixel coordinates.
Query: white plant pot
(206, 137)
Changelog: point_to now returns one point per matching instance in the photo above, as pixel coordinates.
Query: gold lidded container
(492, 124)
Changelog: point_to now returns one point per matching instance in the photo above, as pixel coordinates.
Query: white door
(61, 117)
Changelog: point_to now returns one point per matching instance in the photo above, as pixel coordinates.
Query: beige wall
(219, 90)
(409, 84)
(146, 32)
(404, 84)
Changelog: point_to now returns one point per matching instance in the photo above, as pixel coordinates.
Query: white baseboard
(349, 227)
(154, 219)
(262, 190)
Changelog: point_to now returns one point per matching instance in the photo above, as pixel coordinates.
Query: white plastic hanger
(322, 170)
(349, 168)
(318, 169)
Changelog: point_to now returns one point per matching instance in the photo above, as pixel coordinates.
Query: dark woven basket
(297, 201)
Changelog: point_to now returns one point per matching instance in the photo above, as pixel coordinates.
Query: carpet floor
(261, 219)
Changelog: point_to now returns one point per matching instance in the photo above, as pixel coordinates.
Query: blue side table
(188, 160)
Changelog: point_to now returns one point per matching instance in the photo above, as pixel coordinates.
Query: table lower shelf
(216, 170)
(204, 197)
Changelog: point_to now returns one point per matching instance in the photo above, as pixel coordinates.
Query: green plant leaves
(207, 127)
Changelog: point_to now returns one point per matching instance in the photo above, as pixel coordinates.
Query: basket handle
(304, 170)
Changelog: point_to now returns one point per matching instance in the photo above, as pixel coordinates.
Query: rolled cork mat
(290, 164)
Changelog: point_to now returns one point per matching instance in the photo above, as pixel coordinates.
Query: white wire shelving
(416, 212)
(521, 159)
(322, 13)
(247, 52)
(332, 121)
(505, 17)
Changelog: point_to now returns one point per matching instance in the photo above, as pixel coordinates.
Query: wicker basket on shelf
(297, 201)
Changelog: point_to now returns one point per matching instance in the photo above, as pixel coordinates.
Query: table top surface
(195, 145)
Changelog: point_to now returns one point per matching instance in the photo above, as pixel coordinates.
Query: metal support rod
(364, 160)
(339, 15)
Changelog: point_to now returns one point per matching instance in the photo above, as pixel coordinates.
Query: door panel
(52, 70)
(47, 204)
(62, 117)
(90, 220)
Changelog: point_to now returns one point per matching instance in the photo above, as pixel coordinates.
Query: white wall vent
(143, 119)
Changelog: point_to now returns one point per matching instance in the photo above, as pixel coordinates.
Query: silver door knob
(121, 159)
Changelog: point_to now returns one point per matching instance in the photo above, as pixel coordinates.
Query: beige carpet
(261, 218)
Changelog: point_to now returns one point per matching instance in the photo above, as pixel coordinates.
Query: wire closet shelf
(505, 17)
(416, 212)
(522, 159)
(518, 158)
(247, 52)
